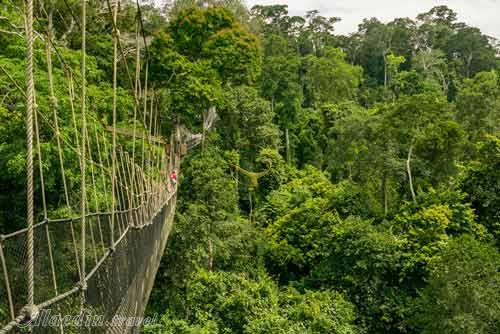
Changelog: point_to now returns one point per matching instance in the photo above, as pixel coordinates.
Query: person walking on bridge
(173, 176)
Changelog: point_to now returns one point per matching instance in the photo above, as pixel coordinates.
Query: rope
(83, 208)
(94, 187)
(45, 215)
(30, 93)
(44, 202)
(113, 160)
(61, 162)
(149, 164)
(127, 203)
(103, 178)
(145, 106)
(53, 104)
(130, 182)
(116, 32)
(136, 93)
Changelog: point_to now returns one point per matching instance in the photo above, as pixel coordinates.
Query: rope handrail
(142, 204)
(78, 287)
(70, 219)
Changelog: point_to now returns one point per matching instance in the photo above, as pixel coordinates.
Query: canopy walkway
(99, 262)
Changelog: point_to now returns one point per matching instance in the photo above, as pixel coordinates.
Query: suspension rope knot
(83, 285)
(53, 102)
(30, 312)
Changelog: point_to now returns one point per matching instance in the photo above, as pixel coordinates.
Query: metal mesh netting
(118, 281)
(99, 266)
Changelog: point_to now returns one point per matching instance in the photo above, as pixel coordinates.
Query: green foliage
(221, 302)
(246, 121)
(311, 312)
(235, 54)
(198, 52)
(364, 164)
(331, 79)
(478, 102)
(393, 124)
(482, 185)
(236, 7)
(302, 217)
(367, 262)
(462, 294)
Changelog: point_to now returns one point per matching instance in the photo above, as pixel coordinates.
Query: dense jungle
(350, 183)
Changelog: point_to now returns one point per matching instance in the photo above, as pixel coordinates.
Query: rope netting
(95, 257)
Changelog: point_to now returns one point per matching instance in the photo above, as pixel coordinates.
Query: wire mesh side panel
(156, 257)
(120, 288)
(60, 318)
(56, 250)
(13, 283)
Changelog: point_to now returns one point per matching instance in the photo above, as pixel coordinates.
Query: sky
(484, 14)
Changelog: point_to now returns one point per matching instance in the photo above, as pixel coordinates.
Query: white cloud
(479, 13)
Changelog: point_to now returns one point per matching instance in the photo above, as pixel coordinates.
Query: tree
(462, 295)
(432, 64)
(222, 302)
(481, 183)
(436, 28)
(246, 122)
(478, 103)
(414, 121)
(330, 79)
(472, 51)
(375, 45)
(366, 260)
(311, 312)
(321, 30)
(238, 8)
(200, 51)
(235, 55)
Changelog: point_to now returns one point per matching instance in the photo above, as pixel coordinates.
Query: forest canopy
(360, 165)
(351, 183)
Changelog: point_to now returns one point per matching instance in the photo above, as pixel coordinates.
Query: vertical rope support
(145, 110)
(157, 156)
(96, 202)
(53, 103)
(30, 93)
(7, 281)
(83, 207)
(96, 199)
(130, 186)
(113, 159)
(61, 162)
(137, 92)
(101, 166)
(149, 164)
(125, 186)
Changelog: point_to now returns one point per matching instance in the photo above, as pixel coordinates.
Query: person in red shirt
(173, 176)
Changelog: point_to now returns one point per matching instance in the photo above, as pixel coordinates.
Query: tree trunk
(408, 170)
(251, 205)
(203, 136)
(385, 73)
(287, 139)
(384, 193)
(210, 255)
(469, 62)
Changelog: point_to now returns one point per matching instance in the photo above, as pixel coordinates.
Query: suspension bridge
(100, 257)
